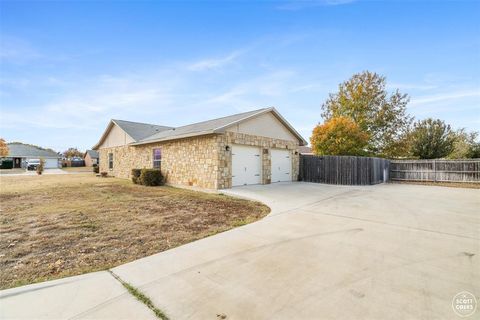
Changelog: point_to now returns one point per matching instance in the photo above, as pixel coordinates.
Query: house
(255, 147)
(305, 150)
(21, 153)
(91, 158)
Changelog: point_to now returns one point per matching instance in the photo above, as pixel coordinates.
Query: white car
(32, 164)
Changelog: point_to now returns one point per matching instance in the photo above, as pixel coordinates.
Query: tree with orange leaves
(339, 136)
(3, 148)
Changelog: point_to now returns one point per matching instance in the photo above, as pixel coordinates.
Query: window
(157, 158)
(110, 161)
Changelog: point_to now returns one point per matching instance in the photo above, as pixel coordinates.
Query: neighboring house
(305, 150)
(91, 158)
(256, 147)
(21, 153)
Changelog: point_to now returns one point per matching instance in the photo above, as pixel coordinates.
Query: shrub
(6, 164)
(151, 177)
(96, 169)
(40, 166)
(136, 175)
(104, 174)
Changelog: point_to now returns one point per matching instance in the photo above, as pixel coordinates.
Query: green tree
(432, 139)
(72, 152)
(382, 115)
(475, 151)
(465, 144)
(339, 136)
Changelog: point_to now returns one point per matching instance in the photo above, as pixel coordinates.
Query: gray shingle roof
(139, 131)
(92, 153)
(17, 149)
(144, 133)
(204, 127)
(305, 150)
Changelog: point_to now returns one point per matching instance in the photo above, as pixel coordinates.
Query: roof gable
(92, 153)
(264, 125)
(134, 130)
(138, 130)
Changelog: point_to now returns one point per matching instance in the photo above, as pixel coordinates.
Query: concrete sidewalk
(95, 295)
(325, 252)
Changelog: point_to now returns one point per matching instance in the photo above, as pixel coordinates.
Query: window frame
(156, 163)
(110, 161)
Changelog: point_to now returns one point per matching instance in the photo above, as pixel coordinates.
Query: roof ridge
(231, 115)
(150, 124)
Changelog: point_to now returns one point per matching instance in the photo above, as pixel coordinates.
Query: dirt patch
(468, 185)
(57, 226)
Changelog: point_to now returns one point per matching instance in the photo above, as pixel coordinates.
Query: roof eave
(104, 135)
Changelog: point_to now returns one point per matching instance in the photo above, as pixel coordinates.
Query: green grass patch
(140, 296)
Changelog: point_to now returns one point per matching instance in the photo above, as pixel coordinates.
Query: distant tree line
(364, 119)
(72, 153)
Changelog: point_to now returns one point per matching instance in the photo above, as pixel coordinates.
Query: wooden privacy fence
(343, 170)
(465, 170)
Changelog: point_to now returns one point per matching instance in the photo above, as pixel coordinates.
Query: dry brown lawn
(78, 169)
(61, 225)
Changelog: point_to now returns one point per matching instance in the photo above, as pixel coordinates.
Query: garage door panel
(246, 165)
(281, 165)
(51, 163)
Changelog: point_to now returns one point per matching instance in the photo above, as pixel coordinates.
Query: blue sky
(68, 67)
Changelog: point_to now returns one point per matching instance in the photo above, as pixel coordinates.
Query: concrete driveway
(325, 252)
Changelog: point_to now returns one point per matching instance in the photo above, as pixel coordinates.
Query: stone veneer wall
(229, 138)
(199, 161)
(190, 161)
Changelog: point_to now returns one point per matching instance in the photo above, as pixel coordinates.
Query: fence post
(434, 171)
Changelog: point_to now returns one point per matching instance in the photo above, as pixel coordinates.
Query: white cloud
(16, 50)
(90, 101)
(410, 86)
(214, 63)
(256, 91)
(440, 97)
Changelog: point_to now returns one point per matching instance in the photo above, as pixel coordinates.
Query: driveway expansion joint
(140, 296)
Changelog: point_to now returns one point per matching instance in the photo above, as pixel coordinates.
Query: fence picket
(465, 170)
(343, 170)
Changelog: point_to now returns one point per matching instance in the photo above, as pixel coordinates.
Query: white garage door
(246, 165)
(51, 163)
(281, 165)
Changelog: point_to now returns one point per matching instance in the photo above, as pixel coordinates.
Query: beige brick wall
(191, 162)
(200, 161)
